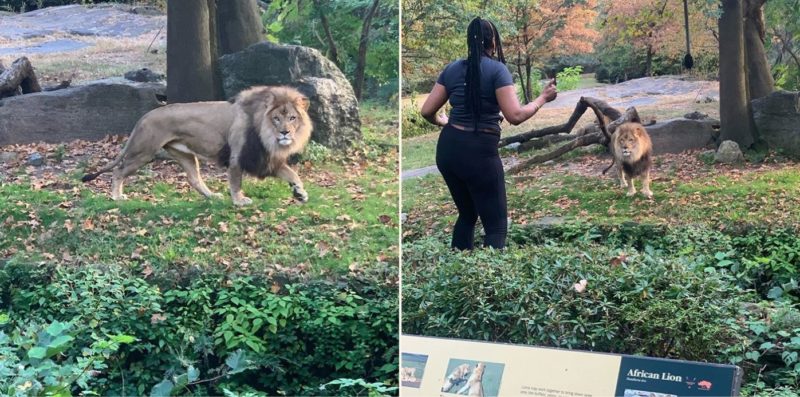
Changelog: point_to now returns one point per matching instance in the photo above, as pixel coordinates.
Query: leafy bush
(413, 122)
(769, 350)
(32, 364)
(569, 78)
(639, 303)
(191, 326)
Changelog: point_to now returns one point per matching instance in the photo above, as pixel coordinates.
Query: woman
(466, 154)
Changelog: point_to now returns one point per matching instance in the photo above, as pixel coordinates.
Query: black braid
(498, 44)
(473, 83)
(481, 35)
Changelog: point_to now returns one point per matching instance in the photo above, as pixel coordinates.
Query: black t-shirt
(494, 75)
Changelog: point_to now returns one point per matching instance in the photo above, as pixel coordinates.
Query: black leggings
(471, 167)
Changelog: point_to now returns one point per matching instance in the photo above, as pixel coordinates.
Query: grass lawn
(687, 190)
(349, 224)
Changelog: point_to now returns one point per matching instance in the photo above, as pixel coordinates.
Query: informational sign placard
(454, 367)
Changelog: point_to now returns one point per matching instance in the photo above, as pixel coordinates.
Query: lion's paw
(300, 194)
(630, 193)
(120, 197)
(215, 196)
(242, 201)
(647, 194)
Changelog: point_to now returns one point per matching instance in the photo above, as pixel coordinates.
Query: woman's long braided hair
(481, 36)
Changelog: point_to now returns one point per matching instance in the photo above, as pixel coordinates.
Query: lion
(457, 377)
(632, 151)
(474, 387)
(254, 133)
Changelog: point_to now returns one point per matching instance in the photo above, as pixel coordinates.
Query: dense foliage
(112, 332)
(618, 40)
(304, 23)
(689, 292)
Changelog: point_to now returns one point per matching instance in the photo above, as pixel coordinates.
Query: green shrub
(413, 122)
(769, 349)
(32, 362)
(647, 304)
(189, 328)
(569, 78)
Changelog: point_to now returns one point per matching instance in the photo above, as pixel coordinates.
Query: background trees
(360, 36)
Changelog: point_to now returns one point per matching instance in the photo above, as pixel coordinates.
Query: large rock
(777, 118)
(678, 135)
(83, 112)
(729, 153)
(334, 108)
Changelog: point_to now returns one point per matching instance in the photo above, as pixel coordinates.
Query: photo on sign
(412, 369)
(472, 378)
(642, 393)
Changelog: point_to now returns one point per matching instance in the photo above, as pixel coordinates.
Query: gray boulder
(83, 112)
(334, 108)
(777, 118)
(144, 75)
(36, 159)
(679, 135)
(8, 157)
(729, 153)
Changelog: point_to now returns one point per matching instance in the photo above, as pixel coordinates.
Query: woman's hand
(550, 92)
(441, 119)
(435, 100)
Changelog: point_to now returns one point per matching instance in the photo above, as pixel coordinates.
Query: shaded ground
(659, 97)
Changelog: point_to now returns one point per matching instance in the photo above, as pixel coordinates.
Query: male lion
(254, 133)
(633, 153)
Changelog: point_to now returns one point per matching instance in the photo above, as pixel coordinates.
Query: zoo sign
(451, 367)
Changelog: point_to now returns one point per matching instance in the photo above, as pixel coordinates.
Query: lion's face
(285, 120)
(630, 141)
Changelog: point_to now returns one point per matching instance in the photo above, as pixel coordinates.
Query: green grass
(350, 220)
(766, 197)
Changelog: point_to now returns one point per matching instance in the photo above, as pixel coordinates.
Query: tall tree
(189, 64)
(239, 25)
(546, 29)
(734, 113)
(363, 42)
(759, 77)
(198, 32)
(333, 50)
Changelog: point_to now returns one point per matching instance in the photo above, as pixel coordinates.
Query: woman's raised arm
(513, 111)
(436, 99)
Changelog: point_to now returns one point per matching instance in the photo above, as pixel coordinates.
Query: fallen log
(608, 118)
(19, 78)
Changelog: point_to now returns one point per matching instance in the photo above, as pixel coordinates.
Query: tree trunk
(361, 64)
(734, 113)
(648, 63)
(528, 82)
(333, 51)
(216, 78)
(238, 25)
(189, 67)
(759, 76)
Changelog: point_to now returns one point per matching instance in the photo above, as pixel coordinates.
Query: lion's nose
(284, 132)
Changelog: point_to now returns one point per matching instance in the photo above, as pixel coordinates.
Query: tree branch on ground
(608, 118)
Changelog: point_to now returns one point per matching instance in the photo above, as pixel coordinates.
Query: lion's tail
(109, 166)
(613, 161)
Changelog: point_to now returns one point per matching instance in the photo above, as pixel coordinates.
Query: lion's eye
(276, 118)
(292, 118)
